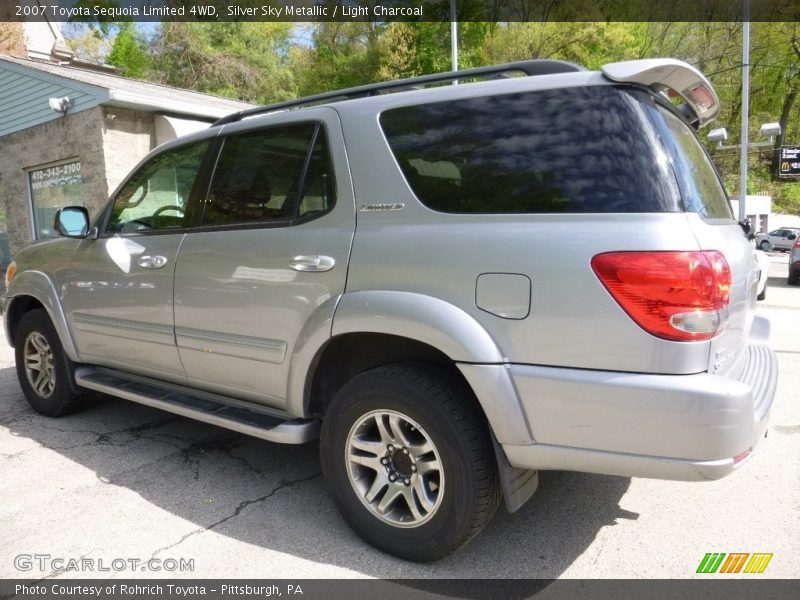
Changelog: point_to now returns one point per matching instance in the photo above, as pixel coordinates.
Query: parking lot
(123, 481)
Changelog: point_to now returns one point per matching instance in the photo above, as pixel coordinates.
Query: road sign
(789, 161)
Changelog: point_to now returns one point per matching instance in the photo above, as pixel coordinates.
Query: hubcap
(39, 365)
(394, 468)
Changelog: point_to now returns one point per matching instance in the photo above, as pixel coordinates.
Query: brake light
(678, 296)
(703, 96)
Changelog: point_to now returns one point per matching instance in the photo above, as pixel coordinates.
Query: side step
(244, 417)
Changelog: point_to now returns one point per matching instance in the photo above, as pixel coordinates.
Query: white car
(763, 273)
(780, 239)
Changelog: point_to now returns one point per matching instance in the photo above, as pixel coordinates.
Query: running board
(244, 417)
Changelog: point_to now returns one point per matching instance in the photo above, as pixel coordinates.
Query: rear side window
(275, 174)
(700, 185)
(577, 150)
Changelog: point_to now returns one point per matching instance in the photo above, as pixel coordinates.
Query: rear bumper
(686, 427)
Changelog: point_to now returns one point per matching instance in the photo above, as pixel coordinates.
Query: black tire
(61, 400)
(794, 277)
(765, 245)
(448, 414)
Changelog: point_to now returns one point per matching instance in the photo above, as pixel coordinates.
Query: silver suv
(386, 271)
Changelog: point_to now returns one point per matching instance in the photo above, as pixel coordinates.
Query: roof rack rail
(527, 67)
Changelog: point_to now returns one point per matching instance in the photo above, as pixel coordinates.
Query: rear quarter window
(572, 150)
(700, 185)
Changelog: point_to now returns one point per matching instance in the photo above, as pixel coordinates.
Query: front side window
(155, 198)
(52, 188)
(271, 175)
(572, 150)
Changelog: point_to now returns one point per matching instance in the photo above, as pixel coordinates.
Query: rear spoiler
(673, 77)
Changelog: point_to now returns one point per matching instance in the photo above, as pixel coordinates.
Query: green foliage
(128, 52)
(244, 60)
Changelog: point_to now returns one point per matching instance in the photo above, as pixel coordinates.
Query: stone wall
(107, 146)
(128, 136)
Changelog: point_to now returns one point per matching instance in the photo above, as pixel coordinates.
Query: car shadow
(273, 496)
(777, 282)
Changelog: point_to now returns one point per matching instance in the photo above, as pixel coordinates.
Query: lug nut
(392, 477)
(414, 468)
(407, 481)
(385, 460)
(405, 450)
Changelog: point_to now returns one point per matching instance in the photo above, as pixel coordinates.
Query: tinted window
(155, 197)
(589, 149)
(270, 175)
(700, 185)
(319, 190)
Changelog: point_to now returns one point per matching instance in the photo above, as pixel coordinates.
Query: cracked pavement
(122, 480)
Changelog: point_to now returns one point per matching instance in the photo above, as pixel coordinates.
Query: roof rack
(527, 67)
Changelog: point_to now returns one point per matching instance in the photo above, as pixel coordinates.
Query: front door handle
(152, 262)
(312, 264)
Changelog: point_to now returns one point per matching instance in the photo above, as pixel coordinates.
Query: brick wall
(107, 146)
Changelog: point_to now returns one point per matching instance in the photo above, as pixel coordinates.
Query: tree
(246, 60)
(128, 52)
(12, 39)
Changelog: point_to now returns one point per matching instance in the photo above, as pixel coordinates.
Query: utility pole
(745, 109)
(454, 37)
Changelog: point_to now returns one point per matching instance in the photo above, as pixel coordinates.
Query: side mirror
(72, 222)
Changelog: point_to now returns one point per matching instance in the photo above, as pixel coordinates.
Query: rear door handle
(312, 264)
(152, 262)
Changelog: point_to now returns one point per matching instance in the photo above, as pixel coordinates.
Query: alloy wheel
(39, 364)
(394, 468)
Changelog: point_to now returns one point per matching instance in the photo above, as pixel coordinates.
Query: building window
(53, 187)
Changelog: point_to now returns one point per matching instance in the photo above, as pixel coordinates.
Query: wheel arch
(371, 329)
(30, 290)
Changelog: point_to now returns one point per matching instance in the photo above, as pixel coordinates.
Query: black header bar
(397, 10)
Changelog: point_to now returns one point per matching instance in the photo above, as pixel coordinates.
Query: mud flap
(518, 484)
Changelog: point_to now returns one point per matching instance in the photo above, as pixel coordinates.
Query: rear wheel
(766, 246)
(42, 367)
(408, 458)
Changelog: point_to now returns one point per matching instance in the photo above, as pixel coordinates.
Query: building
(51, 158)
(758, 208)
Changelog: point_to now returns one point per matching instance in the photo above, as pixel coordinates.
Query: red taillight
(679, 296)
(797, 243)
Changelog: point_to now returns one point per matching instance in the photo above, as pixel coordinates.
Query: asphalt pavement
(122, 483)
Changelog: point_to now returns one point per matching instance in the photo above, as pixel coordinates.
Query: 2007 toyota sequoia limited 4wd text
(453, 286)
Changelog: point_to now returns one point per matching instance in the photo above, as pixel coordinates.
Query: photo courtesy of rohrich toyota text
(381, 298)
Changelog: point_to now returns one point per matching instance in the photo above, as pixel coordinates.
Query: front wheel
(408, 458)
(766, 246)
(42, 367)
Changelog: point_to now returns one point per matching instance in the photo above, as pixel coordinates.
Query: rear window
(700, 185)
(576, 150)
